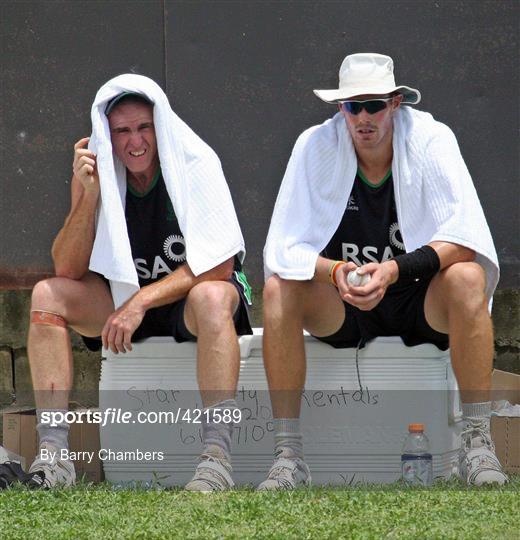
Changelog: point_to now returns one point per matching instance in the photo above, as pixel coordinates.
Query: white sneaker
(49, 473)
(213, 473)
(287, 472)
(478, 463)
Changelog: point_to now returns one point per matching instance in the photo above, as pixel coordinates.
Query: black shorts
(169, 321)
(400, 313)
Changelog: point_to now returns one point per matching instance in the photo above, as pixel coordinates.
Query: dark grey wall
(241, 74)
(55, 56)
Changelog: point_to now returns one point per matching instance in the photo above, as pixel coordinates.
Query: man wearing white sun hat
(151, 247)
(380, 189)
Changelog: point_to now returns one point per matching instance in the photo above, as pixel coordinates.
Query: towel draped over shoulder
(194, 180)
(435, 196)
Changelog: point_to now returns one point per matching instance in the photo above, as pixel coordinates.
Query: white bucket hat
(367, 73)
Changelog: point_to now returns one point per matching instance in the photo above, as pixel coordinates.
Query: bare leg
(456, 304)
(85, 304)
(289, 307)
(209, 316)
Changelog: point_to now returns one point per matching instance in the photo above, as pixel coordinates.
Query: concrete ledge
(507, 359)
(14, 310)
(15, 305)
(6, 382)
(6, 375)
(87, 366)
(506, 318)
(14, 320)
(14, 317)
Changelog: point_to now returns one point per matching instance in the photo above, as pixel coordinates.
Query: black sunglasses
(371, 106)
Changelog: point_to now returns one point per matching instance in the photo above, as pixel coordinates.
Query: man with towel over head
(380, 189)
(151, 247)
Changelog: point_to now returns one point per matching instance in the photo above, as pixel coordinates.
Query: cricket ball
(357, 280)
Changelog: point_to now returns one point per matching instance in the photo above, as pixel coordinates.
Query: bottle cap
(415, 428)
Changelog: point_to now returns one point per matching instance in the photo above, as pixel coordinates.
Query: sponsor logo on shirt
(351, 205)
(159, 269)
(366, 254)
(174, 248)
(396, 239)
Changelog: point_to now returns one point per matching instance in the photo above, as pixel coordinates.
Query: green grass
(447, 510)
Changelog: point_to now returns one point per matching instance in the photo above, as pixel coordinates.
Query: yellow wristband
(337, 264)
(331, 268)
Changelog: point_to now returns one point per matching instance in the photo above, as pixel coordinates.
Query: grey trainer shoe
(51, 471)
(287, 472)
(213, 473)
(478, 463)
(4, 456)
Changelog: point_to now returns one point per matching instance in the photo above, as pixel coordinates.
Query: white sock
(58, 435)
(218, 433)
(287, 434)
(477, 412)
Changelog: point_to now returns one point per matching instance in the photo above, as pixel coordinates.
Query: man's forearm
(73, 245)
(447, 252)
(427, 260)
(324, 266)
(321, 272)
(178, 284)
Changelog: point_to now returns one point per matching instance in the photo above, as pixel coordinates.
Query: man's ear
(396, 102)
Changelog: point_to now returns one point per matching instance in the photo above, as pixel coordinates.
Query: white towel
(435, 196)
(194, 180)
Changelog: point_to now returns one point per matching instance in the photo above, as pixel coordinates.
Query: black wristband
(419, 264)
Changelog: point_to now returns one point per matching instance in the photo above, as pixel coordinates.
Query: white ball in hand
(357, 280)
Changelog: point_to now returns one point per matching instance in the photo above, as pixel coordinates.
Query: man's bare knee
(49, 294)
(466, 283)
(84, 304)
(283, 293)
(213, 295)
(457, 291)
(467, 275)
(210, 304)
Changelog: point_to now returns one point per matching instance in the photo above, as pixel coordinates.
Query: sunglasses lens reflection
(353, 107)
(371, 107)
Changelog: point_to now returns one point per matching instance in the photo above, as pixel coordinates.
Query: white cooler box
(350, 435)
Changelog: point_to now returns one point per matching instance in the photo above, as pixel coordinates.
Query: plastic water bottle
(416, 460)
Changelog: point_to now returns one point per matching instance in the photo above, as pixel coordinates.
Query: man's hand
(341, 277)
(367, 296)
(84, 166)
(121, 325)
